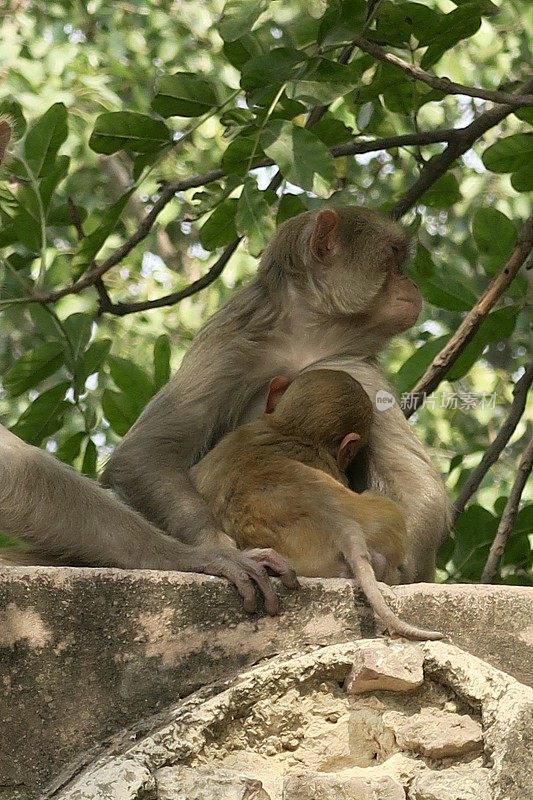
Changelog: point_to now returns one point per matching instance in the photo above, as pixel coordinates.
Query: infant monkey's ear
(276, 389)
(348, 449)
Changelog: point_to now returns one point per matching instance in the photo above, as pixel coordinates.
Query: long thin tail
(368, 583)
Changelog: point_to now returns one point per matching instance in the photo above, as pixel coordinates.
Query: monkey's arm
(149, 468)
(69, 518)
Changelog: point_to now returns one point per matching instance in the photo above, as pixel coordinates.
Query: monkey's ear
(276, 389)
(324, 234)
(348, 449)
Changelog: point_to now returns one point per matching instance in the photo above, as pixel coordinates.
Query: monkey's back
(262, 488)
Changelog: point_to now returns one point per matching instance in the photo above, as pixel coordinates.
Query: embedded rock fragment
(335, 787)
(394, 668)
(438, 734)
(207, 783)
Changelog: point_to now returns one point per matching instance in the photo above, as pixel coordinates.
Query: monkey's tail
(368, 583)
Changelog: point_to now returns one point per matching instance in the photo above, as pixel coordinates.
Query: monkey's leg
(344, 515)
(65, 516)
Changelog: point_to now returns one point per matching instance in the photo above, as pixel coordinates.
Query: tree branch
(494, 450)
(444, 85)
(508, 517)
(121, 309)
(441, 364)
(438, 165)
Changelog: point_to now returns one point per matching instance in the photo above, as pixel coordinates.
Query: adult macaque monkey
(329, 293)
(280, 482)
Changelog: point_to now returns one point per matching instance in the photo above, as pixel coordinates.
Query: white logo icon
(384, 400)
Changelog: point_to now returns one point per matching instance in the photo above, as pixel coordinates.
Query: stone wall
(87, 652)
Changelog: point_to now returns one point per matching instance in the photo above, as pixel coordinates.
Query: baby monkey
(280, 482)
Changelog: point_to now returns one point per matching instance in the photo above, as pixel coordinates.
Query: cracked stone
(438, 734)
(335, 787)
(393, 668)
(204, 783)
(451, 784)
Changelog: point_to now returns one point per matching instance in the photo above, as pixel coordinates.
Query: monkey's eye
(399, 250)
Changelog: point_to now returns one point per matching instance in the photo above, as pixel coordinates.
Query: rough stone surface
(396, 668)
(334, 787)
(453, 784)
(437, 734)
(207, 784)
(245, 724)
(87, 652)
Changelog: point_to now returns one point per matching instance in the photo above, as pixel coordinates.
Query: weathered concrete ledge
(86, 652)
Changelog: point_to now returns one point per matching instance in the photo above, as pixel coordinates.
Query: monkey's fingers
(271, 559)
(245, 573)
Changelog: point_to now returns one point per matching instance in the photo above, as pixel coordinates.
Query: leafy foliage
(110, 104)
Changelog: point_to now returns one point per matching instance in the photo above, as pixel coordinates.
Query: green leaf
(509, 154)
(416, 365)
(459, 24)
(253, 218)
(95, 240)
(396, 24)
(346, 18)
(494, 235)
(78, 328)
(133, 380)
(33, 367)
(301, 157)
(497, 327)
(236, 159)
(44, 416)
(44, 139)
(273, 68)
(52, 179)
(184, 94)
(161, 360)
(239, 16)
(474, 531)
(90, 459)
(91, 361)
(522, 179)
(331, 130)
(130, 131)
(443, 193)
(219, 229)
(289, 206)
(70, 449)
(323, 81)
(525, 114)
(120, 410)
(443, 291)
(242, 50)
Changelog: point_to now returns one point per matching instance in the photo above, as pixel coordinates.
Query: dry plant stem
(436, 372)
(494, 450)
(524, 98)
(508, 517)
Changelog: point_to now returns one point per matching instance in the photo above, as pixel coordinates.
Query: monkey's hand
(247, 570)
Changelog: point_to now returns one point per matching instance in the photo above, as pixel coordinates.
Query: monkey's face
(355, 262)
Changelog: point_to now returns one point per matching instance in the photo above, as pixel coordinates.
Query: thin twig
(510, 511)
(444, 85)
(494, 450)
(441, 364)
(459, 145)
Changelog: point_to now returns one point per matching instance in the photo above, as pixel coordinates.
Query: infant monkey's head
(325, 406)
